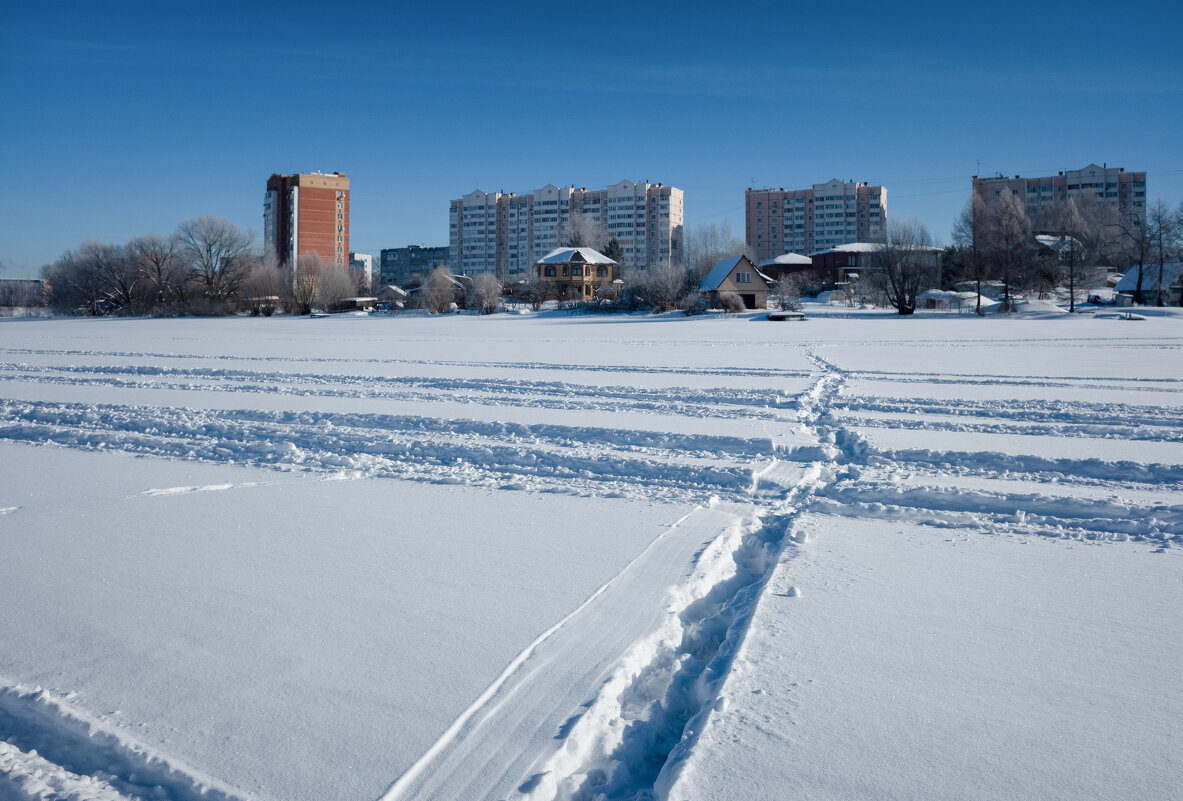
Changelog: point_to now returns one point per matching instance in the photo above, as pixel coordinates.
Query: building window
(743, 278)
(601, 271)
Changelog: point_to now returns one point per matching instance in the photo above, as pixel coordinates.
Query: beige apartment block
(507, 233)
(1041, 197)
(804, 221)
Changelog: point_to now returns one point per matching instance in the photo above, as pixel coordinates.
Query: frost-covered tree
(217, 254)
(438, 292)
(484, 293)
(1010, 245)
(334, 286)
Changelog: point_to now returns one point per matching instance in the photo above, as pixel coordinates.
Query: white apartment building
(507, 233)
(809, 220)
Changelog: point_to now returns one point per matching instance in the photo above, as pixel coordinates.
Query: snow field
(894, 660)
(562, 558)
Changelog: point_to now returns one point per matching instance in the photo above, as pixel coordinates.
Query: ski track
(631, 738)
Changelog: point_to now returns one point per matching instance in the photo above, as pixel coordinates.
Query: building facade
(578, 273)
(396, 265)
(361, 270)
(1112, 186)
(736, 274)
(507, 233)
(307, 214)
(808, 220)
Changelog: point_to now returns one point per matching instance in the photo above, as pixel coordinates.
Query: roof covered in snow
(852, 247)
(787, 258)
(1170, 274)
(872, 247)
(1056, 243)
(575, 255)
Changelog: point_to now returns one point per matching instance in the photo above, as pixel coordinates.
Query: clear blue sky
(126, 118)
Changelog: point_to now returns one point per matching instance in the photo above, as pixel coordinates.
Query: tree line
(996, 242)
(207, 266)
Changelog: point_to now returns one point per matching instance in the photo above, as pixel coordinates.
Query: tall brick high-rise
(305, 214)
(804, 221)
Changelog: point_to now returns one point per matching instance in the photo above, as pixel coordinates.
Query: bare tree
(76, 283)
(904, 265)
(217, 254)
(158, 265)
(786, 294)
(1179, 243)
(116, 272)
(534, 292)
(971, 234)
(1077, 232)
(1162, 228)
(706, 243)
(1010, 245)
(1136, 241)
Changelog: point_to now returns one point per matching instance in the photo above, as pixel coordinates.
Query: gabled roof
(1056, 243)
(722, 269)
(787, 258)
(1170, 274)
(576, 256)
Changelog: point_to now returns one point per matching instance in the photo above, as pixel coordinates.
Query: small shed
(739, 275)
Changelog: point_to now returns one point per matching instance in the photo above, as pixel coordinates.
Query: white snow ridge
(562, 558)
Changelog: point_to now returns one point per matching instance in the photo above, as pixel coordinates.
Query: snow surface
(546, 556)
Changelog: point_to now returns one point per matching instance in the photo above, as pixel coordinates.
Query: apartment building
(507, 233)
(397, 265)
(361, 269)
(1113, 186)
(808, 220)
(307, 214)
